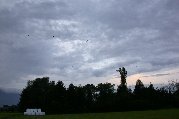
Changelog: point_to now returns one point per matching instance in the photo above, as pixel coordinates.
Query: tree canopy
(54, 97)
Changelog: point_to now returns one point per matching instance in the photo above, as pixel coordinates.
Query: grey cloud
(132, 33)
(145, 14)
(10, 22)
(158, 75)
(44, 10)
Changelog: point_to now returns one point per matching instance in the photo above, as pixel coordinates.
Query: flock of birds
(86, 42)
(53, 37)
(135, 66)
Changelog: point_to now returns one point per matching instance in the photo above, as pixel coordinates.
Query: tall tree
(122, 88)
(123, 74)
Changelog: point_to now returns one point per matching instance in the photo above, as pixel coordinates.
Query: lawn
(153, 114)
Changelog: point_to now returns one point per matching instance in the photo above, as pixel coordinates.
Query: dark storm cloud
(41, 38)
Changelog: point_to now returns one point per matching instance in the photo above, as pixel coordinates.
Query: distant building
(7, 108)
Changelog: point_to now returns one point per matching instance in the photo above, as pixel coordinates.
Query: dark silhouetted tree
(105, 98)
(34, 95)
(90, 97)
(139, 88)
(56, 98)
(123, 74)
(122, 88)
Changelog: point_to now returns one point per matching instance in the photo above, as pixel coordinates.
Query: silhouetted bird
(53, 36)
(27, 35)
(86, 40)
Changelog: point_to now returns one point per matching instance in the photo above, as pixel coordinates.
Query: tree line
(55, 98)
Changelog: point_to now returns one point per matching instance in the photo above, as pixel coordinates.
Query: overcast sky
(85, 41)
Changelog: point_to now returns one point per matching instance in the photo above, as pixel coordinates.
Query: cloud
(161, 74)
(140, 35)
(157, 75)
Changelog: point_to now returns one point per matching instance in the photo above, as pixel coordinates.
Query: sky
(86, 41)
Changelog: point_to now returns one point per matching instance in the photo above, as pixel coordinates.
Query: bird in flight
(86, 41)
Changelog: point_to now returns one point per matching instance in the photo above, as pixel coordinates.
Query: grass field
(156, 114)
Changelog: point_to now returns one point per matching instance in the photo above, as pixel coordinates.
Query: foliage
(123, 74)
(55, 98)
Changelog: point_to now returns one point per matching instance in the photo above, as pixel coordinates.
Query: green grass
(153, 114)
